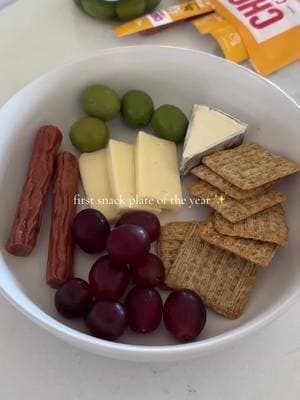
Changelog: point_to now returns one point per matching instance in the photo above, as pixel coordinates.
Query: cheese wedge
(94, 176)
(157, 173)
(209, 130)
(121, 172)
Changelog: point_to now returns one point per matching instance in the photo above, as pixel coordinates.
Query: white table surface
(36, 36)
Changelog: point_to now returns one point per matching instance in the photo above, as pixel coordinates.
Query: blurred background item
(4, 3)
(123, 10)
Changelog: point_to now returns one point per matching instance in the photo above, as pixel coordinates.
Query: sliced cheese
(121, 172)
(94, 176)
(209, 130)
(157, 173)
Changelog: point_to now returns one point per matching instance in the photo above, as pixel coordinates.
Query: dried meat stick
(29, 213)
(60, 264)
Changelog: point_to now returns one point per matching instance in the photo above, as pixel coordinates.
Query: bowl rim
(114, 349)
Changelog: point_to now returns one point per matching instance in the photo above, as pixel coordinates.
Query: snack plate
(183, 77)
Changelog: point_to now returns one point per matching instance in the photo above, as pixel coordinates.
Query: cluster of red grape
(127, 246)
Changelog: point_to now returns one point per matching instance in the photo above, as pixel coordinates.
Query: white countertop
(35, 37)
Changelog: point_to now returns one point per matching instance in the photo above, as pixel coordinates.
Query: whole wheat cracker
(222, 279)
(268, 225)
(234, 210)
(228, 188)
(171, 238)
(258, 252)
(250, 165)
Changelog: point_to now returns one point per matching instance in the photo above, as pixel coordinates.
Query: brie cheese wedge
(209, 130)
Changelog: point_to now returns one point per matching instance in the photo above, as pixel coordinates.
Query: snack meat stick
(61, 245)
(29, 213)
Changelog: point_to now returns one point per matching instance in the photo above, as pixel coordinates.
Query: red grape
(184, 315)
(90, 230)
(144, 309)
(108, 280)
(107, 320)
(149, 272)
(128, 244)
(144, 219)
(74, 298)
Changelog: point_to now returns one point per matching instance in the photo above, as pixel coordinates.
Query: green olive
(170, 123)
(151, 5)
(130, 9)
(101, 102)
(99, 9)
(78, 2)
(137, 108)
(89, 134)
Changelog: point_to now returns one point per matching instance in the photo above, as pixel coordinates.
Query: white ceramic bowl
(171, 75)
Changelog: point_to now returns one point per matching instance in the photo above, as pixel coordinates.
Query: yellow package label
(225, 34)
(270, 30)
(171, 14)
(231, 43)
(209, 23)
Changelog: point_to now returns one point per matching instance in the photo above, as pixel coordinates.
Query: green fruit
(78, 2)
(102, 102)
(100, 9)
(151, 4)
(89, 134)
(170, 123)
(137, 108)
(130, 9)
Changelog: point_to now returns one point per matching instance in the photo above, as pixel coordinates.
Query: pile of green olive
(102, 104)
(123, 10)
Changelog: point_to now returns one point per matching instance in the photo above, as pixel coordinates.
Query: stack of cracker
(218, 258)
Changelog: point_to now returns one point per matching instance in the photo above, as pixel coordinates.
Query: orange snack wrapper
(270, 30)
(225, 34)
(170, 15)
(209, 23)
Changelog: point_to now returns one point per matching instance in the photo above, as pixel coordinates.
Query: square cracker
(222, 279)
(250, 165)
(228, 188)
(234, 210)
(269, 225)
(258, 252)
(171, 238)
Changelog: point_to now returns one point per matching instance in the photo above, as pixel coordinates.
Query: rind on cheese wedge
(157, 172)
(94, 176)
(209, 130)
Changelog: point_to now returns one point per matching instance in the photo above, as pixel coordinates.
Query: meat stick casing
(31, 205)
(60, 264)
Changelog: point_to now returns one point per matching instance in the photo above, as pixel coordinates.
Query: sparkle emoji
(220, 199)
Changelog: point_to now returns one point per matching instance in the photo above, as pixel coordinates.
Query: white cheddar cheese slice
(94, 176)
(121, 172)
(209, 130)
(157, 173)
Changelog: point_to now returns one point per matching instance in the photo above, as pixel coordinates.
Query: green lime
(130, 9)
(102, 102)
(151, 4)
(89, 134)
(170, 123)
(137, 108)
(100, 9)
